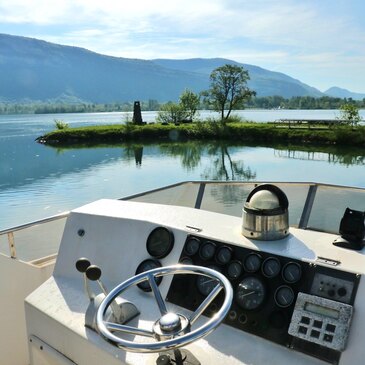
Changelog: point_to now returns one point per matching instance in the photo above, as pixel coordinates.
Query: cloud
(284, 35)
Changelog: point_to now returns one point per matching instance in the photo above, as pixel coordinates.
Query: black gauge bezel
(158, 279)
(291, 263)
(186, 260)
(271, 258)
(218, 250)
(277, 302)
(247, 257)
(206, 243)
(263, 292)
(232, 263)
(167, 244)
(187, 242)
(202, 277)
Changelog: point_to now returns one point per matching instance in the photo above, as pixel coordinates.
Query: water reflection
(225, 168)
(222, 166)
(30, 163)
(334, 155)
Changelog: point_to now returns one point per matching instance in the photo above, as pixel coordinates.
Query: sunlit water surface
(37, 181)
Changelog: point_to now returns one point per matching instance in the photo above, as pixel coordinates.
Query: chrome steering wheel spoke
(205, 304)
(116, 327)
(156, 291)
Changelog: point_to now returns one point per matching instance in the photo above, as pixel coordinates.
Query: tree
(350, 113)
(189, 102)
(179, 112)
(228, 89)
(171, 113)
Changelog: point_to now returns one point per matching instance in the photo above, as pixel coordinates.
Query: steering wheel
(171, 330)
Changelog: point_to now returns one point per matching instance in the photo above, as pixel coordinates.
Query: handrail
(10, 231)
(34, 223)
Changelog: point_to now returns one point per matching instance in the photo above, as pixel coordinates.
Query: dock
(309, 123)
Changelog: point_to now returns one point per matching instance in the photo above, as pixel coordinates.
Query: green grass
(208, 130)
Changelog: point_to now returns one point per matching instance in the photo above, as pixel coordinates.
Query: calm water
(38, 181)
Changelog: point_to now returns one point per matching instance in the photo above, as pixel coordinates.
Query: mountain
(337, 92)
(263, 81)
(32, 69)
(38, 70)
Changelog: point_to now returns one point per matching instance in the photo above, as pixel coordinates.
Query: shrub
(60, 124)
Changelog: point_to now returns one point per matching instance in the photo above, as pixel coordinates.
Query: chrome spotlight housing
(265, 214)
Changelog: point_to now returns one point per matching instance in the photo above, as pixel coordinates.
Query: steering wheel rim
(105, 328)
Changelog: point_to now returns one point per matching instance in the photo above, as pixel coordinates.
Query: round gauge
(250, 293)
(207, 250)
(292, 272)
(186, 261)
(252, 262)
(146, 265)
(284, 296)
(160, 242)
(206, 284)
(234, 270)
(192, 246)
(271, 267)
(224, 255)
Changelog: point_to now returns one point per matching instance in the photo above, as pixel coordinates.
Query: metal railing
(10, 231)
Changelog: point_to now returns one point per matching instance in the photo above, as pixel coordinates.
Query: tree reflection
(190, 153)
(347, 156)
(225, 168)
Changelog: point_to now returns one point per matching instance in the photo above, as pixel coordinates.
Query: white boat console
(297, 300)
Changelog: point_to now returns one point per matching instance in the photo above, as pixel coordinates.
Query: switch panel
(321, 321)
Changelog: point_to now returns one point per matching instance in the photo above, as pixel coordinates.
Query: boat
(198, 272)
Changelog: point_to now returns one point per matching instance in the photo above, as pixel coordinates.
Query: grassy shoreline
(235, 131)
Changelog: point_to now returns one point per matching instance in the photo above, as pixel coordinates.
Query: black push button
(305, 320)
(330, 327)
(303, 330)
(315, 333)
(328, 338)
(317, 324)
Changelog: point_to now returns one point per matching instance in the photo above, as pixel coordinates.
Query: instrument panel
(266, 288)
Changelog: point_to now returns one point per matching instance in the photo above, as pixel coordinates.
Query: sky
(319, 42)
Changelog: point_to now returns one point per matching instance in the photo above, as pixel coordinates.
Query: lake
(37, 181)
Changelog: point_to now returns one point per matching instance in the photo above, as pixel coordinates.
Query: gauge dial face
(224, 255)
(160, 242)
(234, 270)
(205, 284)
(292, 272)
(271, 267)
(186, 260)
(250, 293)
(192, 246)
(207, 250)
(284, 296)
(146, 265)
(252, 262)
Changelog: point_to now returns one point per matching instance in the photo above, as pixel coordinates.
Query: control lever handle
(82, 264)
(121, 310)
(93, 273)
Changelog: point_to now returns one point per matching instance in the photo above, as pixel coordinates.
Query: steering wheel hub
(170, 322)
(170, 325)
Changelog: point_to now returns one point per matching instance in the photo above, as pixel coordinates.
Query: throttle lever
(93, 273)
(82, 264)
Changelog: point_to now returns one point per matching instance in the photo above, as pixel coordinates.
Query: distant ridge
(35, 70)
(263, 81)
(337, 92)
